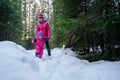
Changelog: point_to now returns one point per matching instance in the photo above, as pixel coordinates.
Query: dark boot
(49, 52)
(36, 54)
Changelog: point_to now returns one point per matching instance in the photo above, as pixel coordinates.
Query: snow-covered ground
(17, 63)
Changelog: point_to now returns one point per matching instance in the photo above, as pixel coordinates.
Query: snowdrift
(17, 63)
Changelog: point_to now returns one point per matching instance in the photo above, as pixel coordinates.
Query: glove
(46, 38)
(34, 40)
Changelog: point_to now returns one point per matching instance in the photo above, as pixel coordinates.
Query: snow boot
(36, 54)
(49, 52)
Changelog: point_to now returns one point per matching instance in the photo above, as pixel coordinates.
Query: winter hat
(40, 33)
(40, 15)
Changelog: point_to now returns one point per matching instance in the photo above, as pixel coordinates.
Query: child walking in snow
(42, 36)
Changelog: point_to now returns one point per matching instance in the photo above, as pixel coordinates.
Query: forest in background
(89, 27)
(18, 19)
(11, 27)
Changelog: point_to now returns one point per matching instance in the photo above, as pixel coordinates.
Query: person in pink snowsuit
(42, 36)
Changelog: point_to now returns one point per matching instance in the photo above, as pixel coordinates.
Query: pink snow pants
(39, 47)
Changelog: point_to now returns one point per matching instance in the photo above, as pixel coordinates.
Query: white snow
(17, 63)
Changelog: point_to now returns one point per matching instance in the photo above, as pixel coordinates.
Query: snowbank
(17, 63)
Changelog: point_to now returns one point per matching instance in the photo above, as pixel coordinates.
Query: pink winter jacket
(45, 29)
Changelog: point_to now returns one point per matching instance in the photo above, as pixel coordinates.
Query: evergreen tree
(11, 27)
(86, 24)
